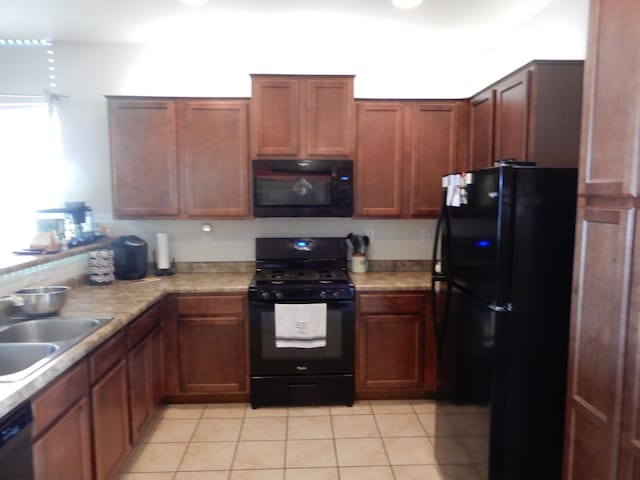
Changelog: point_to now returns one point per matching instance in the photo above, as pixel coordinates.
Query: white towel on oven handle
(301, 325)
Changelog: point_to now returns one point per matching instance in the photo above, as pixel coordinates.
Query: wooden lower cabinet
(61, 428)
(395, 346)
(64, 451)
(207, 344)
(145, 361)
(110, 406)
(110, 421)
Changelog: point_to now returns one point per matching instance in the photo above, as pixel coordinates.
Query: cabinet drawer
(396, 303)
(56, 399)
(211, 304)
(106, 356)
(142, 326)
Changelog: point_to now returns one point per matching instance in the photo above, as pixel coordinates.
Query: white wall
(389, 61)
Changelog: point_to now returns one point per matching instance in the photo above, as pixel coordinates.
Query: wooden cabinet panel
(48, 405)
(390, 352)
(630, 439)
(109, 402)
(142, 326)
(212, 354)
(512, 117)
(214, 158)
(598, 325)
(297, 116)
(481, 123)
(143, 158)
(395, 346)
(211, 304)
(64, 451)
(106, 356)
(141, 388)
(433, 152)
(329, 117)
(275, 117)
(379, 159)
(206, 343)
(611, 123)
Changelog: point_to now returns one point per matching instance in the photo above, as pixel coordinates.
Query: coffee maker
(76, 226)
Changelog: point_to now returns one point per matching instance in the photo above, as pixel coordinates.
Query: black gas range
(306, 276)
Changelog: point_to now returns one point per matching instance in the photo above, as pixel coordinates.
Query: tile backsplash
(50, 273)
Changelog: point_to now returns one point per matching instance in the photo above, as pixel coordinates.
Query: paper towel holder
(163, 272)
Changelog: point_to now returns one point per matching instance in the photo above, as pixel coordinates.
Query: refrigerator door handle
(500, 308)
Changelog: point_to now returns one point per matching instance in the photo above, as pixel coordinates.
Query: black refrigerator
(504, 243)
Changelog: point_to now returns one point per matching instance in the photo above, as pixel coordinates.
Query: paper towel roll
(163, 251)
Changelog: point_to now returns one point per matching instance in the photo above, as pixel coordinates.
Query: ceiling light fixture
(194, 3)
(406, 3)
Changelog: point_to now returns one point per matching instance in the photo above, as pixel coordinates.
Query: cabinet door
(214, 159)
(157, 365)
(390, 352)
(109, 404)
(143, 158)
(329, 112)
(64, 451)
(379, 159)
(512, 117)
(141, 386)
(596, 358)
(275, 117)
(481, 118)
(433, 152)
(212, 355)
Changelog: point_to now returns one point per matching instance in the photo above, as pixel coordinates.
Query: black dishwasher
(16, 461)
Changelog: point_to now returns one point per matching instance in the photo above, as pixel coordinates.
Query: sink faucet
(9, 303)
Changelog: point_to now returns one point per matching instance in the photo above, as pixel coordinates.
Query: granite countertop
(125, 300)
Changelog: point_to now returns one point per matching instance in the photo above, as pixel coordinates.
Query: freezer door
(476, 247)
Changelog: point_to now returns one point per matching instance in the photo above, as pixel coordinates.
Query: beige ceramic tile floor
(373, 440)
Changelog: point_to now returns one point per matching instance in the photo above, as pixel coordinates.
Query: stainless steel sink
(18, 360)
(27, 345)
(49, 330)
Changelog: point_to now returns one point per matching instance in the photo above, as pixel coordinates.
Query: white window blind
(31, 165)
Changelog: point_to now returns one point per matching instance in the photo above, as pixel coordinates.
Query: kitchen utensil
(349, 241)
(365, 242)
(355, 240)
(43, 301)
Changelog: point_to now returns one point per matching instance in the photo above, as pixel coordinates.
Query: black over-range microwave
(302, 188)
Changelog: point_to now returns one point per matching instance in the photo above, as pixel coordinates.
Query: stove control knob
(336, 294)
(279, 295)
(323, 294)
(265, 295)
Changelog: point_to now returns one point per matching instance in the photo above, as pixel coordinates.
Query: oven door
(336, 357)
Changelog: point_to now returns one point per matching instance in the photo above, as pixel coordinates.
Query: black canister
(129, 257)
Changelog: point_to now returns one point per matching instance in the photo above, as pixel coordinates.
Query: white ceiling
(124, 21)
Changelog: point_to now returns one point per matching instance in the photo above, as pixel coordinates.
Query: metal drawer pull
(301, 368)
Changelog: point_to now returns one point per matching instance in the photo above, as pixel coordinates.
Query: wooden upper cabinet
(301, 116)
(403, 149)
(143, 158)
(481, 125)
(329, 117)
(532, 114)
(379, 159)
(179, 158)
(611, 124)
(214, 158)
(433, 152)
(512, 116)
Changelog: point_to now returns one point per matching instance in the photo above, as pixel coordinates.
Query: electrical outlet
(207, 232)
(426, 233)
(371, 233)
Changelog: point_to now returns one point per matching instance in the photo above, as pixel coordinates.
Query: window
(31, 165)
